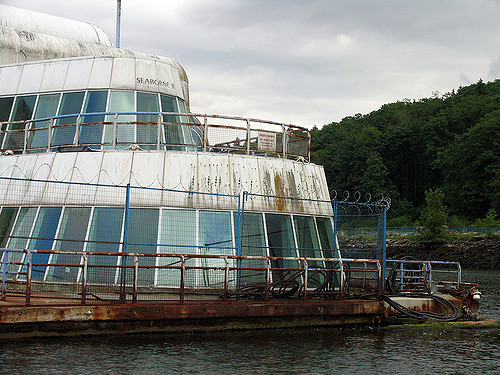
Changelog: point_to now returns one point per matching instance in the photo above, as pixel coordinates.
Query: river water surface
(400, 350)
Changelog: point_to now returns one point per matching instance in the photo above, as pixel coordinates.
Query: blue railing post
(5, 262)
(125, 243)
(381, 242)
(239, 230)
(335, 218)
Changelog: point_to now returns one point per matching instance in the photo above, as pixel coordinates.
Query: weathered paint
(27, 321)
(193, 171)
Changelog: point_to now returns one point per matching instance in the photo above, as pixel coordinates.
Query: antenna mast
(118, 18)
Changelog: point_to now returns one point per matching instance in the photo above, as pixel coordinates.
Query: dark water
(299, 351)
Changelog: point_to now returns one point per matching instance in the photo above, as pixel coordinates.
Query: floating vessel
(124, 211)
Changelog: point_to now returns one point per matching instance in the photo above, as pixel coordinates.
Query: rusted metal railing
(182, 131)
(298, 277)
(422, 275)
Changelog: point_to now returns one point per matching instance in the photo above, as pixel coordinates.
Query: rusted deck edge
(40, 321)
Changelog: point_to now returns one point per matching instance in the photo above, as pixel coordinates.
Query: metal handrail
(302, 271)
(240, 136)
(411, 279)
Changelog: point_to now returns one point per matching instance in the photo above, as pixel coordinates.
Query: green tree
(433, 217)
(470, 166)
(489, 222)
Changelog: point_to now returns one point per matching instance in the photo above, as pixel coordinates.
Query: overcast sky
(305, 62)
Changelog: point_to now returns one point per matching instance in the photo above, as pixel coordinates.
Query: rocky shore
(478, 252)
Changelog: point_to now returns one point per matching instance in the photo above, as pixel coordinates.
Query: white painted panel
(245, 174)
(165, 73)
(146, 78)
(213, 173)
(213, 177)
(9, 79)
(123, 73)
(86, 169)
(62, 170)
(180, 173)
(147, 169)
(54, 76)
(40, 168)
(63, 166)
(177, 83)
(100, 75)
(115, 170)
(147, 176)
(31, 78)
(7, 169)
(78, 74)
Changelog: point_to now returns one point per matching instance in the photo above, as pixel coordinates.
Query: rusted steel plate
(175, 311)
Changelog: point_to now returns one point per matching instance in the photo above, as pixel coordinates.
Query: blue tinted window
(7, 218)
(43, 237)
(20, 234)
(172, 131)
(147, 133)
(121, 101)
(215, 237)
(71, 103)
(71, 237)
(5, 108)
(104, 236)
(307, 239)
(46, 107)
(177, 228)
(326, 237)
(143, 232)
(91, 133)
(23, 110)
(281, 242)
(253, 242)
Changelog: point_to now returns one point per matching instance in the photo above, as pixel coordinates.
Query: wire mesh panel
(360, 229)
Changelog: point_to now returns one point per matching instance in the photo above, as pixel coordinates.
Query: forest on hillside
(448, 142)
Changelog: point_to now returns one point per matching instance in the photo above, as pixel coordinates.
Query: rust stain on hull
(26, 321)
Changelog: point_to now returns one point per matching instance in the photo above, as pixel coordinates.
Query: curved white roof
(29, 21)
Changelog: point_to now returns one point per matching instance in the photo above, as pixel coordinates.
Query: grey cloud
(306, 62)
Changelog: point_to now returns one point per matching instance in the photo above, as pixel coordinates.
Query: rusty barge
(121, 210)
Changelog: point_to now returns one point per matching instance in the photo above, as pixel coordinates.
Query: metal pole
(125, 245)
(248, 137)
(28, 276)
(77, 132)
(49, 136)
(84, 279)
(118, 20)
(5, 262)
(115, 130)
(183, 275)
(241, 211)
(205, 133)
(226, 280)
(25, 137)
(136, 277)
(158, 134)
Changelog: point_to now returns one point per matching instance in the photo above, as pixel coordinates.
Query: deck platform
(65, 318)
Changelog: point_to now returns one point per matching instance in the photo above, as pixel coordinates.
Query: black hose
(451, 315)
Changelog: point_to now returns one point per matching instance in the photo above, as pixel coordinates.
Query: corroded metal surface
(39, 320)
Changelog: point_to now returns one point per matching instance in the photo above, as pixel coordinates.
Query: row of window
(167, 231)
(31, 107)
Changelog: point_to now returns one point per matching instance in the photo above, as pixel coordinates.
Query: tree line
(449, 143)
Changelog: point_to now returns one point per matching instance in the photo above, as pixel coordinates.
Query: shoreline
(478, 252)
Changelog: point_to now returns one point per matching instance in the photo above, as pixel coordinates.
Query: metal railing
(232, 277)
(182, 131)
(423, 275)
